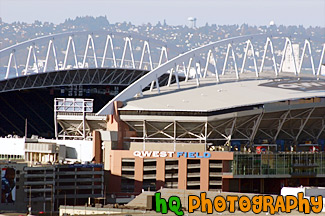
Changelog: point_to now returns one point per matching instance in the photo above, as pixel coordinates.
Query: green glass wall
(287, 163)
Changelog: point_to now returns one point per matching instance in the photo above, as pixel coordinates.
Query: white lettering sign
(143, 154)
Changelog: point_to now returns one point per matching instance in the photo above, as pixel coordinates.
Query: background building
(38, 150)
(48, 187)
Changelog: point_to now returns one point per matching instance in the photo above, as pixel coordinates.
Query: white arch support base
(12, 56)
(90, 39)
(51, 45)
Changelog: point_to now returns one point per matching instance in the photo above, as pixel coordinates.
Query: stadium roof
(212, 96)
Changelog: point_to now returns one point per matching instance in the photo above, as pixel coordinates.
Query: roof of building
(213, 96)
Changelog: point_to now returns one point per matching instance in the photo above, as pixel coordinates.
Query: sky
(175, 12)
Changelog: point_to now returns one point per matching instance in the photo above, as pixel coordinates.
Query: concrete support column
(225, 185)
(97, 150)
(138, 174)
(182, 173)
(262, 186)
(204, 174)
(160, 173)
(115, 175)
(114, 123)
(121, 134)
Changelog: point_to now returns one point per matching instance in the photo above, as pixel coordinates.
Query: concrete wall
(115, 168)
(12, 146)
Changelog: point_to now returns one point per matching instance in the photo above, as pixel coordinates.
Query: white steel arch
(307, 44)
(249, 45)
(70, 41)
(127, 42)
(192, 59)
(163, 54)
(31, 49)
(209, 56)
(146, 45)
(90, 39)
(233, 58)
(109, 41)
(269, 42)
(321, 61)
(34, 45)
(286, 46)
(12, 56)
(51, 45)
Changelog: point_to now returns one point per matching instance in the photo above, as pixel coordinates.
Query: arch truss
(83, 50)
(228, 59)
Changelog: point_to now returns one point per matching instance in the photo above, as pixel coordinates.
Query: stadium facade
(252, 135)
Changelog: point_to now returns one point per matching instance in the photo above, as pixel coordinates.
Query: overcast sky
(176, 12)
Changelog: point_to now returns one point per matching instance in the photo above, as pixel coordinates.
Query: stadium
(199, 121)
(257, 132)
(237, 132)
